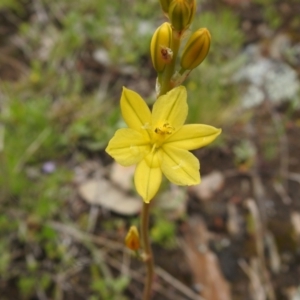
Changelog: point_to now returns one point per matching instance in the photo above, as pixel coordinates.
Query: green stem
(170, 68)
(149, 261)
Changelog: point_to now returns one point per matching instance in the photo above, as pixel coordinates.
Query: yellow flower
(159, 142)
(132, 239)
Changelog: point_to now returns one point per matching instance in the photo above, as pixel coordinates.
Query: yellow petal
(154, 161)
(135, 111)
(171, 107)
(193, 136)
(180, 166)
(128, 146)
(147, 180)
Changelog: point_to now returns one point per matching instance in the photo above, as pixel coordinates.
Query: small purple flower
(49, 167)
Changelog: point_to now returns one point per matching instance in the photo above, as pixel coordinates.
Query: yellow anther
(166, 128)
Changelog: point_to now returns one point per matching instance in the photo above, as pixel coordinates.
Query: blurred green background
(62, 66)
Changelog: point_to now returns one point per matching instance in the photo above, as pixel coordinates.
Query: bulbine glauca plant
(158, 141)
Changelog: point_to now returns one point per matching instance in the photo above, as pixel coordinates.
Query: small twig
(40, 12)
(72, 271)
(274, 256)
(83, 236)
(125, 263)
(279, 188)
(41, 294)
(2, 131)
(93, 215)
(99, 258)
(177, 284)
(257, 183)
(293, 176)
(259, 193)
(13, 62)
(259, 234)
(282, 139)
(258, 291)
(94, 209)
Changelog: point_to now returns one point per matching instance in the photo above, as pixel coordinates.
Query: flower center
(164, 129)
(158, 135)
(161, 132)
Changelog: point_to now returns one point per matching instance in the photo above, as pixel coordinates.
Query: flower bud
(165, 5)
(132, 239)
(161, 53)
(181, 13)
(193, 5)
(196, 49)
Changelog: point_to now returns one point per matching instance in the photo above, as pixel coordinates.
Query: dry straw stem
(259, 235)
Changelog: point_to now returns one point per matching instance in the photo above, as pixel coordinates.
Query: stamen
(166, 128)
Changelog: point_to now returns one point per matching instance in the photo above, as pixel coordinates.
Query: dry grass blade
(259, 235)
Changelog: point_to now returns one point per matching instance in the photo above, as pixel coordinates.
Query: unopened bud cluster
(167, 38)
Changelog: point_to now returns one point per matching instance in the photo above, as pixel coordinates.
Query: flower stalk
(147, 255)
